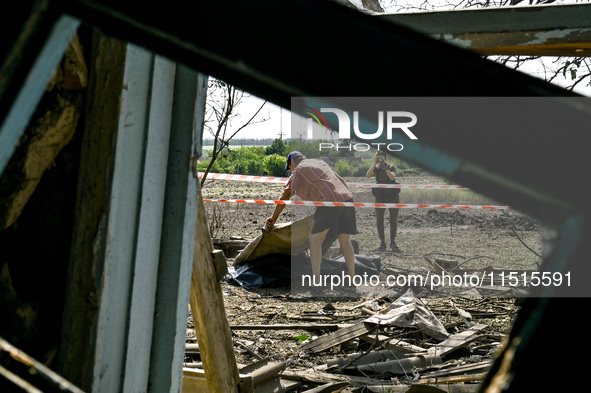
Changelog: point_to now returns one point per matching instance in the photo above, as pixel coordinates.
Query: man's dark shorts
(338, 219)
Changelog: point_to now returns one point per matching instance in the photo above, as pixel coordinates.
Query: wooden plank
(357, 359)
(178, 233)
(453, 379)
(331, 387)
(194, 381)
(207, 305)
(448, 388)
(556, 30)
(288, 385)
(292, 326)
(457, 341)
(340, 336)
(116, 337)
(322, 377)
(92, 201)
(41, 71)
(386, 362)
(151, 77)
(390, 389)
(261, 377)
(220, 264)
(50, 129)
(399, 366)
(33, 374)
(394, 344)
(459, 370)
(191, 348)
(262, 370)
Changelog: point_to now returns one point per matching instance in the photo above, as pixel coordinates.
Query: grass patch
(452, 197)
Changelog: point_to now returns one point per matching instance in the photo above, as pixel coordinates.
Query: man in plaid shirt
(315, 180)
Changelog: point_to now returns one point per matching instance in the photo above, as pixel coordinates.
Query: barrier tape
(358, 204)
(260, 179)
(283, 180)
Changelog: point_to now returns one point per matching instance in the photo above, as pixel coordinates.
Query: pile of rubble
(396, 346)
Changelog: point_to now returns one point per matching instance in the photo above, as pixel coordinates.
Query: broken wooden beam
(194, 381)
(191, 348)
(393, 344)
(367, 358)
(294, 326)
(452, 380)
(476, 368)
(207, 306)
(458, 340)
(28, 373)
(231, 248)
(331, 387)
(449, 388)
(261, 377)
(561, 30)
(219, 263)
(52, 128)
(323, 377)
(340, 336)
(381, 363)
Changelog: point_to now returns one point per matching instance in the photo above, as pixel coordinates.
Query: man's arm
(391, 172)
(278, 209)
(372, 170)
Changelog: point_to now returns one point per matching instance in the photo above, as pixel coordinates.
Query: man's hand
(269, 223)
(285, 195)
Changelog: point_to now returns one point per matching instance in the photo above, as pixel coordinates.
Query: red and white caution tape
(259, 179)
(409, 186)
(283, 180)
(358, 204)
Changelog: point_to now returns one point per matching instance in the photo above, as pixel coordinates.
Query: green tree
(277, 147)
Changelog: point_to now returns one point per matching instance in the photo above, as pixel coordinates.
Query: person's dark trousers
(380, 213)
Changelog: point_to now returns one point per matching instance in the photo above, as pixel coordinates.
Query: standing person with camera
(385, 174)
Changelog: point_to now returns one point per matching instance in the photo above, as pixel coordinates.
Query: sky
(273, 119)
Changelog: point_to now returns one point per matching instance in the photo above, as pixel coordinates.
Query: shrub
(275, 165)
(248, 167)
(223, 164)
(343, 168)
(360, 168)
(202, 166)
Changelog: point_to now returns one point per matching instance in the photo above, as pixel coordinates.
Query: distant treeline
(256, 158)
(246, 142)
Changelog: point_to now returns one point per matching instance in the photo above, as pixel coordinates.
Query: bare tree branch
(222, 103)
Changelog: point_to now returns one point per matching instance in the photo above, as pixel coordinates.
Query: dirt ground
(476, 239)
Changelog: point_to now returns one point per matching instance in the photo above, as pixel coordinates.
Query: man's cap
(294, 155)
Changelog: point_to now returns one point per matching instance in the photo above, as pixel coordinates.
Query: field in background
(429, 196)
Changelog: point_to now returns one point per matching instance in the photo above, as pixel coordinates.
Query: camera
(381, 159)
